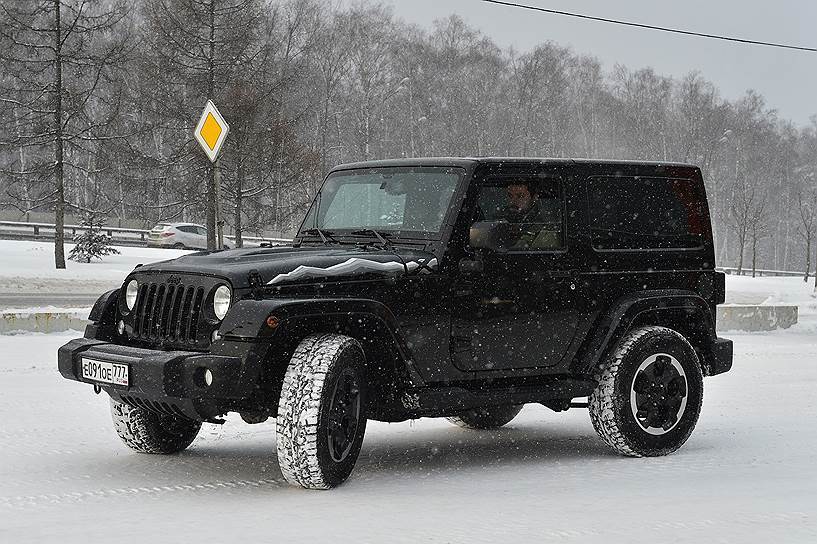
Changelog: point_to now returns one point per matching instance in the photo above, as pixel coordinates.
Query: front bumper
(168, 381)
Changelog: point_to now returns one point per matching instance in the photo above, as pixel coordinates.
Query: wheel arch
(103, 317)
(388, 359)
(684, 312)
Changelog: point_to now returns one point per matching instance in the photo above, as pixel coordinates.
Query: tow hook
(97, 388)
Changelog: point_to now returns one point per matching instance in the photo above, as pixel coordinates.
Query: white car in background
(181, 236)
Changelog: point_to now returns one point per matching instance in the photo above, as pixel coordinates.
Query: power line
(652, 27)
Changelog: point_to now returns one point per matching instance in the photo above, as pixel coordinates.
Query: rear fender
(683, 311)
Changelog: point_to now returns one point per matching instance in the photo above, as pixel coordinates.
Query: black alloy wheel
(658, 397)
(344, 415)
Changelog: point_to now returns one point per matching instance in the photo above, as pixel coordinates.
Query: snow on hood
(289, 264)
(355, 265)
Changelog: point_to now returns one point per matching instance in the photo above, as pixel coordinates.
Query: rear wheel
(148, 432)
(489, 417)
(649, 393)
(178, 245)
(321, 414)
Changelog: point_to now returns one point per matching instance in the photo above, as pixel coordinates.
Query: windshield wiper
(380, 236)
(326, 235)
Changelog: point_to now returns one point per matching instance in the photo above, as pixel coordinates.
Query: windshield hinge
(256, 282)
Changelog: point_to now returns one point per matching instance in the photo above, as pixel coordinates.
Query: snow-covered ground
(36, 259)
(747, 473)
(28, 279)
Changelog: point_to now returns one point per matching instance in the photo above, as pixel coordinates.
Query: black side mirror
(492, 235)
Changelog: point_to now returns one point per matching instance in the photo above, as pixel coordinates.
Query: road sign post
(210, 133)
(219, 220)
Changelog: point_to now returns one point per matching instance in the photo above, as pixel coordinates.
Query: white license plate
(103, 371)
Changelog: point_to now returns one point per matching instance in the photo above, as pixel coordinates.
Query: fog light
(208, 377)
(215, 337)
(120, 327)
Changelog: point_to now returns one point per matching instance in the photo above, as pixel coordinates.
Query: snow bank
(770, 291)
(22, 259)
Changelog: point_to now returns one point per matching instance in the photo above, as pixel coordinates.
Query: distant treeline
(98, 106)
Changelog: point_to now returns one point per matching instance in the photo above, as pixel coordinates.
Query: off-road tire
(302, 427)
(148, 432)
(488, 417)
(610, 404)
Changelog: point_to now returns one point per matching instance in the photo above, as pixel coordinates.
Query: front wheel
(145, 431)
(321, 413)
(649, 393)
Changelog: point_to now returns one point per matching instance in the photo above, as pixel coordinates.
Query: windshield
(391, 200)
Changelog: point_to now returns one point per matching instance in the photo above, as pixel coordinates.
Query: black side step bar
(446, 401)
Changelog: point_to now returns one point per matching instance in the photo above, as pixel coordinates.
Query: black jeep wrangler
(458, 288)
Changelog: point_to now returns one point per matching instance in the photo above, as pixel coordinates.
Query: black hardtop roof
(470, 161)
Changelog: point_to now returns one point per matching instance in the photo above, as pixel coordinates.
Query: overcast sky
(788, 79)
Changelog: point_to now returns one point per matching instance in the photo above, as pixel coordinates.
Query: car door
(198, 238)
(517, 309)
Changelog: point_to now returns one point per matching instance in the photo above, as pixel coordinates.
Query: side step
(447, 401)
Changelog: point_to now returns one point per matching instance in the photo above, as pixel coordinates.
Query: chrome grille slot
(168, 313)
(194, 323)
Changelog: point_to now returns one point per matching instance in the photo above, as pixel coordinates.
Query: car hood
(287, 265)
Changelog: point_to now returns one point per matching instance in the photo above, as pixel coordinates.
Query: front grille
(168, 313)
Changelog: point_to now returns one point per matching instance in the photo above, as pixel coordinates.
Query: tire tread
(299, 409)
(141, 430)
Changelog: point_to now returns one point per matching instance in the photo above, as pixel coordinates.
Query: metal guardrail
(18, 230)
(759, 272)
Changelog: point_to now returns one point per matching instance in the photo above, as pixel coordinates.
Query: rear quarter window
(643, 213)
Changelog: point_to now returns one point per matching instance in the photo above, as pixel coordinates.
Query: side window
(201, 231)
(185, 229)
(531, 210)
(645, 213)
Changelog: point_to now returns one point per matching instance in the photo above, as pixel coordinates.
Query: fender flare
(614, 324)
(103, 317)
(247, 320)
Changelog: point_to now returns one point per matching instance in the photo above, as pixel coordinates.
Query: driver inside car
(527, 213)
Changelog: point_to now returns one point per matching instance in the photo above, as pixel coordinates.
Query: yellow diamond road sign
(211, 131)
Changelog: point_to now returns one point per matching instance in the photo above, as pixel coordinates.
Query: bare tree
(198, 47)
(306, 84)
(758, 227)
(59, 54)
(746, 219)
(807, 214)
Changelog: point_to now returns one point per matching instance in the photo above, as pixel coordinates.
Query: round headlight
(130, 294)
(221, 301)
